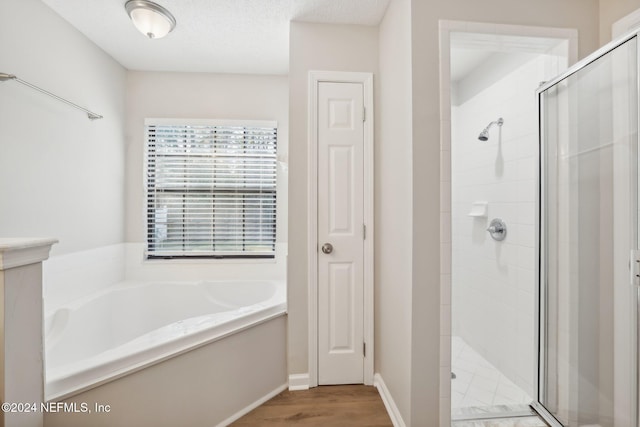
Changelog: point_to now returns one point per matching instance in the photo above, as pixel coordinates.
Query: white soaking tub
(132, 325)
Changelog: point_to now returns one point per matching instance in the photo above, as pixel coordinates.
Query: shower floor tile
(502, 422)
(478, 383)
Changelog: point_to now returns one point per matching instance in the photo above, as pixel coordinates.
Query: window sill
(209, 261)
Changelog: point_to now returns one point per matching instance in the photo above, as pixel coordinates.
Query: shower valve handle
(497, 229)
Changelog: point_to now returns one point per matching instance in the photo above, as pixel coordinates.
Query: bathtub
(132, 325)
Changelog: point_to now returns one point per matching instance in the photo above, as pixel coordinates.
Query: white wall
(201, 95)
(494, 282)
(392, 201)
(313, 47)
(68, 277)
(61, 175)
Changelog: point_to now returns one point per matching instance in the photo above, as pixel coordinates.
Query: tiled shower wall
(493, 283)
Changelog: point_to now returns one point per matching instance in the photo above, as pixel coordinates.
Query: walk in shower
(588, 241)
(546, 315)
(494, 158)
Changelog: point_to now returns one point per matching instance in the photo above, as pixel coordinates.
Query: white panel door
(340, 224)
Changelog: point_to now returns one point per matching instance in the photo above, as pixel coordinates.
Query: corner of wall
(389, 403)
(299, 382)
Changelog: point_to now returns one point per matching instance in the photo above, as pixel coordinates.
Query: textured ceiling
(223, 36)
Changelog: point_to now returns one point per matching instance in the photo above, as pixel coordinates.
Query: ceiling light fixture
(151, 19)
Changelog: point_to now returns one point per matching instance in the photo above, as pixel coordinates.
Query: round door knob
(327, 248)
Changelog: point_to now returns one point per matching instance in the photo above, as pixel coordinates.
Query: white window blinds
(211, 189)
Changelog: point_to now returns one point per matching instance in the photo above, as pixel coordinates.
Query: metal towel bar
(90, 114)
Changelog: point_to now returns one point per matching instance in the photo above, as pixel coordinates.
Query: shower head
(484, 135)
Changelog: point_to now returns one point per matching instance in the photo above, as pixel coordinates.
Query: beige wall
(407, 278)
(392, 206)
(610, 12)
(61, 174)
(313, 47)
(199, 96)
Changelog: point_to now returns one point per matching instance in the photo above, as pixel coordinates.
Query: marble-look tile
(502, 422)
(479, 384)
(498, 411)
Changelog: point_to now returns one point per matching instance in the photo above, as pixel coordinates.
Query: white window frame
(248, 257)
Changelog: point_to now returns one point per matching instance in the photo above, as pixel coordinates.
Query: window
(210, 189)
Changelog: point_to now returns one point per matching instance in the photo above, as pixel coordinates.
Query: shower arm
(498, 122)
(90, 114)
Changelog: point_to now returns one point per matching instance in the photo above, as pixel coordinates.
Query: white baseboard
(298, 382)
(392, 409)
(251, 407)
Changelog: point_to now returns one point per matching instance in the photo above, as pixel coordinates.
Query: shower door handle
(327, 248)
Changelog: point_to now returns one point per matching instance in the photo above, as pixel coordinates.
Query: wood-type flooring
(325, 406)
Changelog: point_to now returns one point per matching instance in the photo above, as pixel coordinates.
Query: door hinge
(364, 231)
(364, 349)
(364, 113)
(634, 267)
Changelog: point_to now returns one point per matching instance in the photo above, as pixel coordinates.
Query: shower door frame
(540, 308)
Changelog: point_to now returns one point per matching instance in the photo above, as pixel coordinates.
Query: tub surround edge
(162, 357)
(198, 381)
(16, 252)
(21, 340)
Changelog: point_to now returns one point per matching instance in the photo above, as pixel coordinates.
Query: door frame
(445, 28)
(366, 79)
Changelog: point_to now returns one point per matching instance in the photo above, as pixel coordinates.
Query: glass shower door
(588, 234)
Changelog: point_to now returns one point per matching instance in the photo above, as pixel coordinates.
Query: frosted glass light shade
(151, 19)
